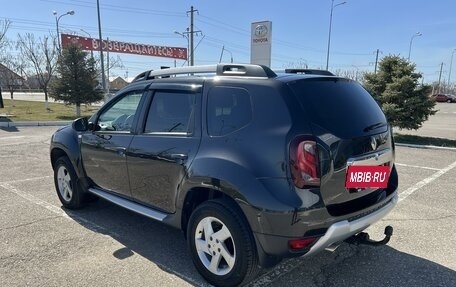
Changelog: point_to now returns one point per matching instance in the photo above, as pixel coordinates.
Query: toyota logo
(261, 31)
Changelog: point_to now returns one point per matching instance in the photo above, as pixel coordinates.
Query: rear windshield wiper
(374, 126)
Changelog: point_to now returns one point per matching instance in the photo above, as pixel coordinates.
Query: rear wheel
(66, 183)
(449, 101)
(221, 244)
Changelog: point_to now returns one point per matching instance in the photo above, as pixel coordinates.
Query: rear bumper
(330, 231)
(342, 230)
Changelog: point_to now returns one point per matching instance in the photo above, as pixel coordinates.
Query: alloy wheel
(215, 246)
(64, 183)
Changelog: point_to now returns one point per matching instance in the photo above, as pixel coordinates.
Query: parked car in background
(444, 98)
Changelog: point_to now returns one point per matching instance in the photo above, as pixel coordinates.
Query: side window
(171, 112)
(119, 117)
(228, 110)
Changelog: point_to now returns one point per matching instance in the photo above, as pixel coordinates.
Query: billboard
(260, 45)
(124, 47)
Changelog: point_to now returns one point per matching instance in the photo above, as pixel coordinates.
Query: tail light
(304, 163)
(298, 244)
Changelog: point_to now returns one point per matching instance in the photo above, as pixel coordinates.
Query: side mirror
(93, 127)
(81, 125)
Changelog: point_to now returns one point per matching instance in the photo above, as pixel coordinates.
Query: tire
(449, 101)
(68, 190)
(227, 256)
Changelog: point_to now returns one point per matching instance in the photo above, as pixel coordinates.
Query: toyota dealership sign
(260, 51)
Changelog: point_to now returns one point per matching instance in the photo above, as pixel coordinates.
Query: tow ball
(363, 238)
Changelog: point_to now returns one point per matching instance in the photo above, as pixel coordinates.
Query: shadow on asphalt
(348, 266)
(161, 244)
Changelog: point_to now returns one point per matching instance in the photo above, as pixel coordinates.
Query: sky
(299, 30)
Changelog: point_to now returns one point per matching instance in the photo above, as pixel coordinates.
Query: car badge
(373, 143)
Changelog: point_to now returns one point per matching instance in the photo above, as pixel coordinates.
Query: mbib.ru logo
(367, 176)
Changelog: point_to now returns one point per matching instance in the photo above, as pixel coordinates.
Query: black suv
(251, 165)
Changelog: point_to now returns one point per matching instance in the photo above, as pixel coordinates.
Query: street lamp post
(185, 35)
(100, 39)
(330, 26)
(57, 19)
(451, 65)
(90, 36)
(417, 34)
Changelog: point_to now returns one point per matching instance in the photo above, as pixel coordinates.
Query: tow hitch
(363, 238)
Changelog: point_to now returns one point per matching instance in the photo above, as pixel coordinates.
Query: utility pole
(440, 75)
(376, 61)
(103, 78)
(192, 32)
(221, 55)
(107, 63)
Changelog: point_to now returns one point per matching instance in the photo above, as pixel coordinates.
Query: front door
(160, 155)
(104, 149)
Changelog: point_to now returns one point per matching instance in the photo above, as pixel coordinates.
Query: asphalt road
(42, 244)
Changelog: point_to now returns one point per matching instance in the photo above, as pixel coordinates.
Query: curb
(426, 146)
(33, 124)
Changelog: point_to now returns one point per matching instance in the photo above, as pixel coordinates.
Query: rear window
(340, 106)
(228, 110)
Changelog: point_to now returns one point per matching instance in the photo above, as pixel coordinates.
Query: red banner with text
(124, 47)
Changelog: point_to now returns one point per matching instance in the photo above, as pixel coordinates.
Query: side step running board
(130, 205)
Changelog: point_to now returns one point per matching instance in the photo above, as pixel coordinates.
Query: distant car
(444, 98)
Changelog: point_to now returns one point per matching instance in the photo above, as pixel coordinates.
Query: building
(9, 80)
(117, 84)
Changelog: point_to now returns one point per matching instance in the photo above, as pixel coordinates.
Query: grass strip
(24, 111)
(419, 140)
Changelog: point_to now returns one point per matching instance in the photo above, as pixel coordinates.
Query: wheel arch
(65, 143)
(55, 154)
(197, 195)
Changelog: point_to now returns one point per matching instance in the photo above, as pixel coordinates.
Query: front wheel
(66, 184)
(221, 244)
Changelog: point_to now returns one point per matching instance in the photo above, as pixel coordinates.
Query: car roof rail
(309, 72)
(241, 70)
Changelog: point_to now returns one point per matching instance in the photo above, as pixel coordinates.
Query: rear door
(167, 141)
(351, 130)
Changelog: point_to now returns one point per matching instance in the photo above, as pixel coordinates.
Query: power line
(89, 4)
(49, 26)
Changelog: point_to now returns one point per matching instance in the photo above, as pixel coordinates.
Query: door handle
(105, 137)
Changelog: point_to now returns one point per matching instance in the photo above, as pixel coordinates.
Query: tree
(42, 55)
(355, 75)
(299, 64)
(77, 79)
(4, 25)
(396, 88)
